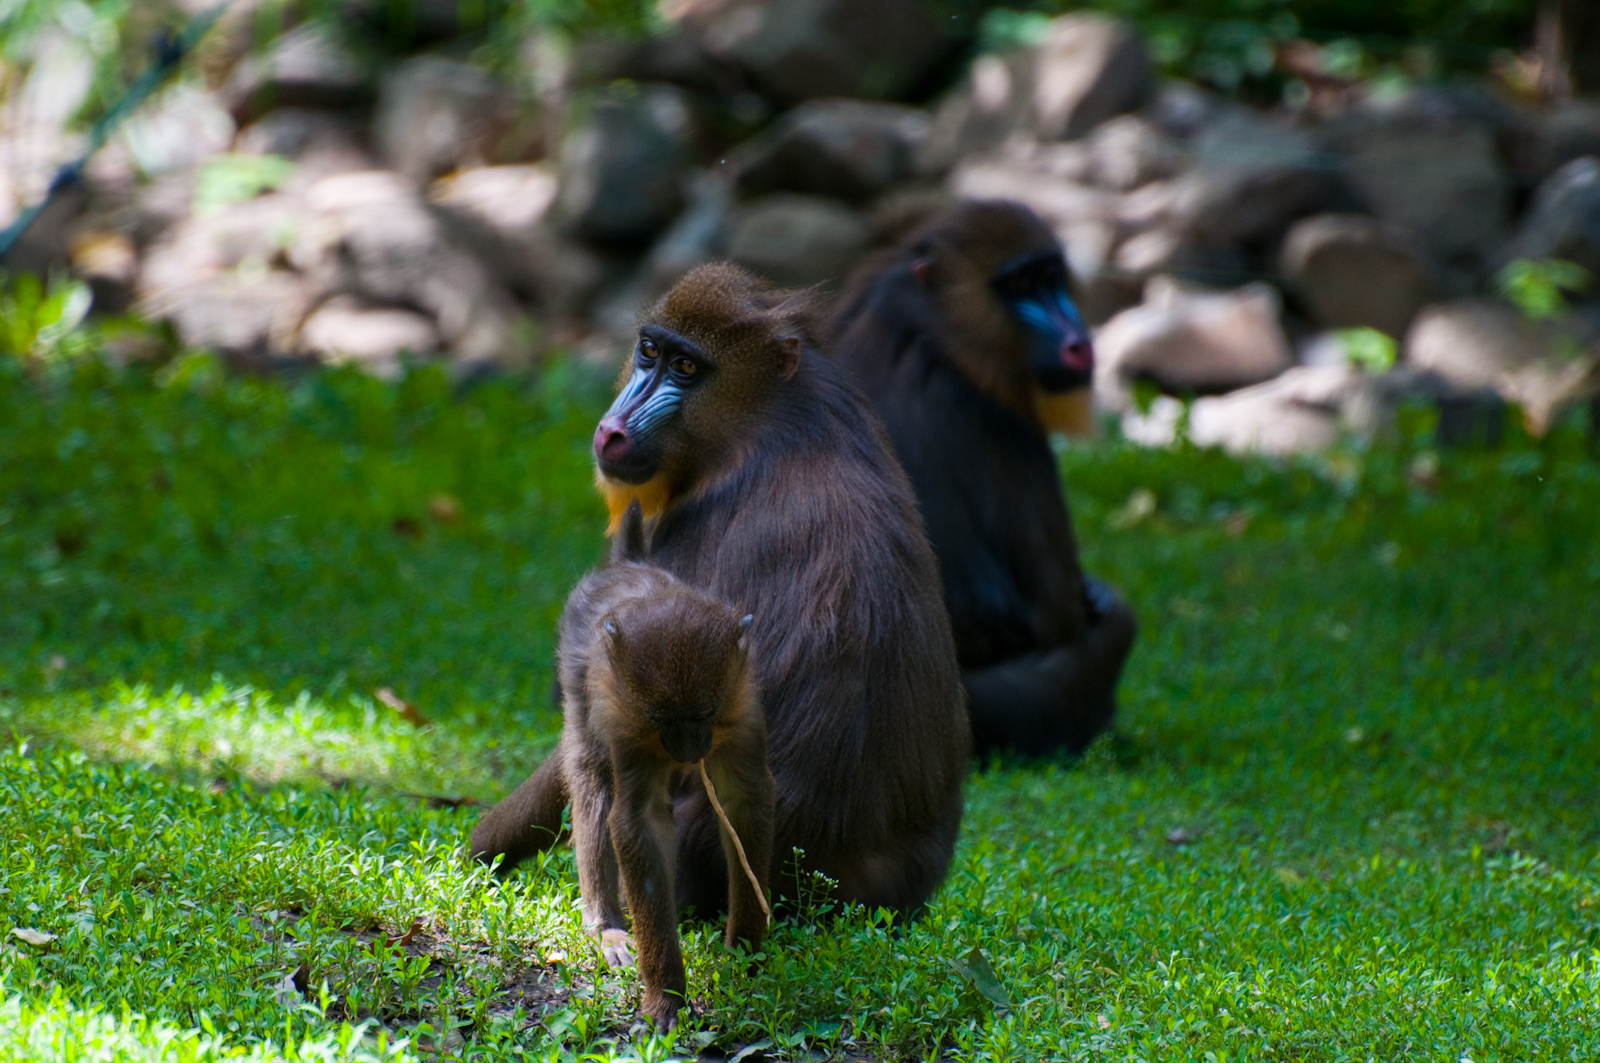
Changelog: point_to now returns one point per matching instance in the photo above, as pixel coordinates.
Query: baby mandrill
(658, 693)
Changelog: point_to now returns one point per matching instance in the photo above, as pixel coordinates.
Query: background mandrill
(656, 679)
(772, 487)
(965, 338)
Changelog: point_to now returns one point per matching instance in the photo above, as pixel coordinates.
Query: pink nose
(1078, 354)
(611, 440)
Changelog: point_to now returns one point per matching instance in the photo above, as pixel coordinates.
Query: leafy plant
(1369, 349)
(43, 322)
(1539, 288)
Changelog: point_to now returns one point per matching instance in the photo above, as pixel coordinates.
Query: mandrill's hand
(616, 946)
(1102, 599)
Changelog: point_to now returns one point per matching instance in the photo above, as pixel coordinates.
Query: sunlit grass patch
(1351, 810)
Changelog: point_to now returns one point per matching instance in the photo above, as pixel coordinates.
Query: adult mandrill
(965, 339)
(771, 487)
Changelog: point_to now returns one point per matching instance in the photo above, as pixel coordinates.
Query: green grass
(1352, 813)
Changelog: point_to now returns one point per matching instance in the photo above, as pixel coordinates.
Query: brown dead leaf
(33, 937)
(408, 712)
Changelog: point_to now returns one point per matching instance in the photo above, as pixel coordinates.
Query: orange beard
(653, 496)
(1069, 413)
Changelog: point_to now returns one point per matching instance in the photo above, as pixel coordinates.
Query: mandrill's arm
(1018, 704)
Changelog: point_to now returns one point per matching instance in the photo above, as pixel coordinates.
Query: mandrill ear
(744, 633)
(922, 271)
(613, 635)
(790, 346)
(628, 544)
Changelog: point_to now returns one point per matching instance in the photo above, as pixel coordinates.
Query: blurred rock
(1569, 129)
(1088, 68)
(347, 330)
(305, 67)
(375, 237)
(842, 148)
(34, 135)
(435, 115)
(1293, 413)
(623, 164)
(1252, 176)
(1353, 271)
(507, 197)
(1431, 167)
(1084, 217)
(504, 208)
(321, 143)
(795, 240)
(1472, 342)
(1544, 367)
(221, 277)
(1564, 221)
(673, 58)
(181, 128)
(253, 313)
(976, 116)
(805, 49)
(1181, 109)
(1188, 341)
(1128, 152)
(694, 238)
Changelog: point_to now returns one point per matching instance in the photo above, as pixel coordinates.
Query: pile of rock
(434, 208)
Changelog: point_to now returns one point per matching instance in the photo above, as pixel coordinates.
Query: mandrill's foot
(617, 947)
(662, 1006)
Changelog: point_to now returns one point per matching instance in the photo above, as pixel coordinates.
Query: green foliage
(1539, 288)
(1349, 812)
(44, 322)
(225, 179)
(1369, 349)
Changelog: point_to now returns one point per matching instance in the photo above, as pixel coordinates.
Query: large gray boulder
(1353, 270)
(842, 148)
(435, 115)
(795, 240)
(500, 213)
(1186, 340)
(347, 330)
(1087, 69)
(797, 50)
(305, 67)
(373, 236)
(1430, 163)
(1543, 367)
(623, 164)
(1565, 219)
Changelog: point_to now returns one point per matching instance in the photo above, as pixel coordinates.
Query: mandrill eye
(684, 367)
(647, 350)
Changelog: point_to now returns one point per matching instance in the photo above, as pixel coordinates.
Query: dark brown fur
(642, 654)
(788, 504)
(946, 364)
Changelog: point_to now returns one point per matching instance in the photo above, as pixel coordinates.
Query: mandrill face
(1033, 289)
(631, 441)
(681, 663)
